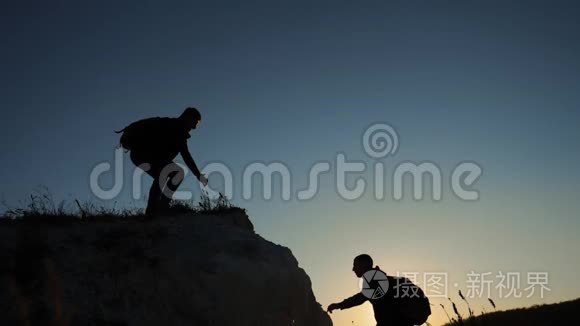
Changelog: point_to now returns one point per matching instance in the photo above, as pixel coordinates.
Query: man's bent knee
(173, 174)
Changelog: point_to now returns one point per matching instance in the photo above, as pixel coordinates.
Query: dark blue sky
(496, 82)
(484, 78)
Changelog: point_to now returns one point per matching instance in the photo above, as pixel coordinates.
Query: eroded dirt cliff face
(203, 269)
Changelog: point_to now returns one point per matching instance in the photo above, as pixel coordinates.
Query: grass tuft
(41, 206)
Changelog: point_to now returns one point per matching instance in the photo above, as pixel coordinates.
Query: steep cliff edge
(189, 269)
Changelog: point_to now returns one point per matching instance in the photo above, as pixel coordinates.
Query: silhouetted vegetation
(457, 319)
(40, 206)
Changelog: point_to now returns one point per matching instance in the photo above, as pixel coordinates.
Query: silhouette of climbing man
(396, 300)
(153, 144)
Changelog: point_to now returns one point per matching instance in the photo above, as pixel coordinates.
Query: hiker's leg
(172, 175)
(155, 191)
(154, 197)
(143, 162)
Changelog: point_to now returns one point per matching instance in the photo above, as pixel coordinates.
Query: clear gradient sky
(495, 82)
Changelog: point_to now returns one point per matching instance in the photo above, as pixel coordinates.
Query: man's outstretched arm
(191, 163)
(355, 300)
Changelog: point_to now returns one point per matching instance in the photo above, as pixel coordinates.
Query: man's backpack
(413, 303)
(142, 133)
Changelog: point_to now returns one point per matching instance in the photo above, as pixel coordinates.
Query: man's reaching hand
(203, 180)
(332, 307)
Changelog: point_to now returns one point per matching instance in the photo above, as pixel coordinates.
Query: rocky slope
(202, 269)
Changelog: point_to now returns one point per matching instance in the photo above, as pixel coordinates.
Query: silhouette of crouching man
(386, 310)
(154, 143)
